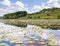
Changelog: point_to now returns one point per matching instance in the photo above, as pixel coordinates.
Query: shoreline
(44, 23)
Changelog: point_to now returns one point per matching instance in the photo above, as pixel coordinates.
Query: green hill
(51, 13)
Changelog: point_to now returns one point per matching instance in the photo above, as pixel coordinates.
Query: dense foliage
(15, 15)
(50, 13)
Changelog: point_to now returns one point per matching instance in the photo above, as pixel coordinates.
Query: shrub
(58, 17)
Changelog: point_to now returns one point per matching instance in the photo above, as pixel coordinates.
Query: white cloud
(6, 2)
(5, 11)
(53, 3)
(19, 4)
(57, 5)
(50, 4)
(37, 8)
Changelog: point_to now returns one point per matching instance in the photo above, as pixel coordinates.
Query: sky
(31, 6)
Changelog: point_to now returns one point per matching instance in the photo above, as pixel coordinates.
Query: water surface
(11, 34)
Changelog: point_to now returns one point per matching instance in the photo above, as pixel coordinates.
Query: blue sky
(31, 6)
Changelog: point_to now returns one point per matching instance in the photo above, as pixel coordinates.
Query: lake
(28, 36)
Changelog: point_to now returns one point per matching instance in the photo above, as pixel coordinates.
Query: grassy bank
(44, 23)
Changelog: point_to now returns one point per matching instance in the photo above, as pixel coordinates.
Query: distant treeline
(15, 15)
(50, 13)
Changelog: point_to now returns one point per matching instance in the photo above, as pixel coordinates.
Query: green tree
(58, 17)
(15, 15)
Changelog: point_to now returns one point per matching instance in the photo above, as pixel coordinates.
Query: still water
(29, 36)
